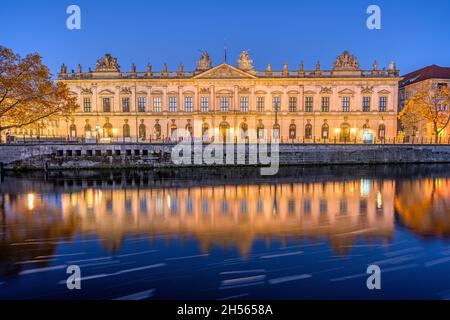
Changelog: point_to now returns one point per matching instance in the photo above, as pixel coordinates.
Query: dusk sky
(413, 33)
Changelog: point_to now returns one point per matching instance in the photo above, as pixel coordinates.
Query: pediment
(347, 91)
(106, 92)
(224, 71)
(309, 92)
(384, 91)
(141, 92)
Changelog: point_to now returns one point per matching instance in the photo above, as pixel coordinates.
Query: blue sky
(414, 33)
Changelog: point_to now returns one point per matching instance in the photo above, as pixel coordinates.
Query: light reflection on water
(305, 234)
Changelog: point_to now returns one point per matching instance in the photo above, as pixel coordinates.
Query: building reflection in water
(424, 206)
(223, 216)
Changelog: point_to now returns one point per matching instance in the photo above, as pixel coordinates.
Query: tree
(431, 107)
(28, 95)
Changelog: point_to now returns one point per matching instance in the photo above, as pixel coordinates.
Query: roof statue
(244, 61)
(346, 62)
(107, 63)
(204, 63)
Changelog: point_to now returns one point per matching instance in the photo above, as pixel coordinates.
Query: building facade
(232, 102)
(426, 79)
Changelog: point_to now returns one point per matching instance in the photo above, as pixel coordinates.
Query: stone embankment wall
(116, 156)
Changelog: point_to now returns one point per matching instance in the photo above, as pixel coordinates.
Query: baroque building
(343, 104)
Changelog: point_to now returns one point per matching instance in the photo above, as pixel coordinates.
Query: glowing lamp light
(114, 130)
(337, 130)
(30, 201)
(353, 130)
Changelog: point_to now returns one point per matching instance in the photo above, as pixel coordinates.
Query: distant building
(345, 103)
(431, 77)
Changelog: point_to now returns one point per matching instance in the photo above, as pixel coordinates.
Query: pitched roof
(430, 72)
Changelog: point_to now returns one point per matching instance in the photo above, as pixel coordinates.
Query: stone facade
(345, 103)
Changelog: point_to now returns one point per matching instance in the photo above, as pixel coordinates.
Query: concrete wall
(94, 156)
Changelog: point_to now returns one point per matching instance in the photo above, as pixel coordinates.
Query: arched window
(173, 131)
(243, 130)
(276, 131)
(292, 131)
(325, 131)
(224, 129)
(189, 129)
(142, 131)
(126, 130)
(308, 131)
(157, 131)
(87, 130)
(205, 131)
(344, 134)
(107, 130)
(260, 131)
(381, 131)
(73, 131)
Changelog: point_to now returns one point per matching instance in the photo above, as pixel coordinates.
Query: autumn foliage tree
(28, 95)
(430, 107)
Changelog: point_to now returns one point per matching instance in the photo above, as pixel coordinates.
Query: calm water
(308, 233)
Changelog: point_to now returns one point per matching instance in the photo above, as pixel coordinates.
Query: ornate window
(325, 105)
(346, 104)
(106, 105)
(244, 130)
(308, 131)
(126, 130)
(126, 104)
(157, 131)
(276, 103)
(204, 104)
(276, 131)
(73, 131)
(309, 101)
(292, 104)
(325, 131)
(173, 104)
(244, 104)
(260, 131)
(157, 104)
(188, 104)
(142, 104)
(205, 131)
(108, 130)
(224, 129)
(260, 104)
(224, 104)
(382, 104)
(87, 130)
(292, 131)
(366, 104)
(142, 131)
(381, 131)
(87, 106)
